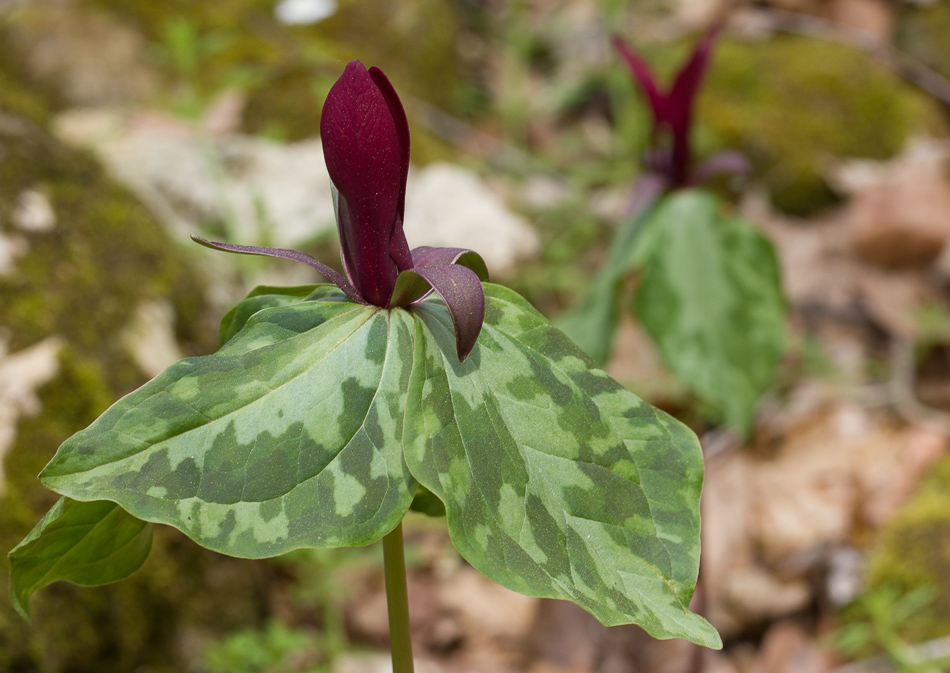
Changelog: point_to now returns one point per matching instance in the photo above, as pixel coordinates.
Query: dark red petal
(402, 129)
(399, 247)
(428, 256)
(644, 76)
(681, 99)
(688, 79)
(283, 253)
(464, 296)
(365, 149)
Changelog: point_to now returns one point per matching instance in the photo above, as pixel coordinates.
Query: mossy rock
(913, 551)
(82, 282)
(922, 32)
(792, 103)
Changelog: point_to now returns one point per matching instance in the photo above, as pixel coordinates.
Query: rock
(447, 205)
(260, 191)
(87, 57)
(264, 192)
(900, 210)
(540, 192)
(304, 12)
(873, 19)
(11, 247)
(150, 337)
(34, 213)
(21, 374)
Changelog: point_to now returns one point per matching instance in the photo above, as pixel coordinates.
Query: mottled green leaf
(557, 481)
(265, 296)
(289, 436)
(301, 431)
(711, 298)
(86, 543)
(592, 323)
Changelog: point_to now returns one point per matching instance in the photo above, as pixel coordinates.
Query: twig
(904, 65)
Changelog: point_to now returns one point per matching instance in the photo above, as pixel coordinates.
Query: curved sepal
(289, 436)
(86, 543)
(460, 290)
(556, 480)
(283, 253)
(426, 255)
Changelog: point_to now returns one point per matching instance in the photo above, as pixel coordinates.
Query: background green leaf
(557, 481)
(592, 323)
(289, 436)
(83, 542)
(710, 296)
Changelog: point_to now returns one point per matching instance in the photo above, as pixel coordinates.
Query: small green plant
(411, 382)
(885, 611)
(709, 291)
(275, 649)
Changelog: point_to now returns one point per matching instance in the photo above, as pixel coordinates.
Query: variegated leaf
(710, 296)
(556, 480)
(289, 436)
(592, 323)
(262, 297)
(86, 543)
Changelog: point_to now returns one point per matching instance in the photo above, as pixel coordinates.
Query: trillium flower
(671, 158)
(366, 146)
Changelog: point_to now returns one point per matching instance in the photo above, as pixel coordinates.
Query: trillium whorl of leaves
(328, 409)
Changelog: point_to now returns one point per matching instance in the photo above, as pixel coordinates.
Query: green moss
(83, 282)
(914, 551)
(793, 103)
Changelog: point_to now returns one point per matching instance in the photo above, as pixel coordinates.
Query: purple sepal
(722, 163)
(425, 255)
(464, 297)
(284, 253)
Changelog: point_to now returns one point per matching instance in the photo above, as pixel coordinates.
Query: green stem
(397, 599)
